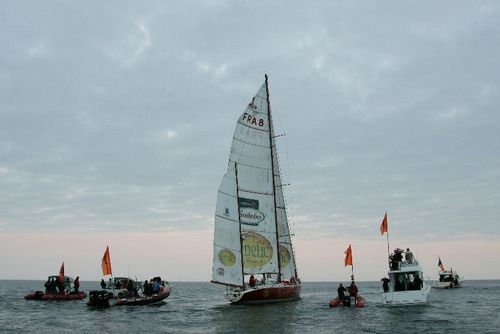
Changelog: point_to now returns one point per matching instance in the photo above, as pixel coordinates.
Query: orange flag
(106, 263)
(61, 273)
(348, 256)
(384, 227)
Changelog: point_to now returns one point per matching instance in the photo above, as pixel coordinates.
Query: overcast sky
(117, 117)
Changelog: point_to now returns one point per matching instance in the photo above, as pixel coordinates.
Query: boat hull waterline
(359, 302)
(40, 295)
(265, 294)
(446, 285)
(404, 298)
(150, 300)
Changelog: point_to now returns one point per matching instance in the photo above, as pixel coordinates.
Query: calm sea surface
(201, 308)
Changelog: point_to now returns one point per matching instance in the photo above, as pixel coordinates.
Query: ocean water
(201, 308)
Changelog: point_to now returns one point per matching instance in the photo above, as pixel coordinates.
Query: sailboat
(253, 255)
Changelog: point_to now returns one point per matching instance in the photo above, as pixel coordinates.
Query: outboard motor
(38, 295)
(99, 298)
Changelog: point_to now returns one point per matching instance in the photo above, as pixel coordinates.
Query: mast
(239, 223)
(274, 183)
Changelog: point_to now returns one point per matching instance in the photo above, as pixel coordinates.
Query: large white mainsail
(248, 186)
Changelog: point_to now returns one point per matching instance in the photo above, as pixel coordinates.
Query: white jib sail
(227, 267)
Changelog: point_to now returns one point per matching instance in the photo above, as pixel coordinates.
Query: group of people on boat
(397, 257)
(253, 282)
(153, 286)
(449, 278)
(353, 293)
(352, 289)
(55, 284)
(408, 280)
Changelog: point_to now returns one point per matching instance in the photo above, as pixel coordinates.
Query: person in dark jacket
(76, 284)
(385, 284)
(251, 281)
(341, 293)
(353, 290)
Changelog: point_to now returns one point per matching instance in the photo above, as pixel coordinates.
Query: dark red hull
(270, 294)
(40, 295)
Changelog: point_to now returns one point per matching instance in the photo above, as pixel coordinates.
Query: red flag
(61, 273)
(106, 263)
(384, 227)
(348, 256)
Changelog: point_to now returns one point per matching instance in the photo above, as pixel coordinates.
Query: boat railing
(398, 265)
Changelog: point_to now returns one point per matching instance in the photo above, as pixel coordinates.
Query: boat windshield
(408, 281)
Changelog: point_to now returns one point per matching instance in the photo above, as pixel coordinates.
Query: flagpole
(388, 251)
(352, 267)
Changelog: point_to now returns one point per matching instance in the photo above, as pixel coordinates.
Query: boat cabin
(405, 280)
(121, 283)
(405, 275)
(447, 276)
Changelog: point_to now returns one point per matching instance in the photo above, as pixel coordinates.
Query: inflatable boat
(145, 300)
(40, 295)
(359, 302)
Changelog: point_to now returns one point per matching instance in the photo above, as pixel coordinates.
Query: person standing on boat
(60, 285)
(156, 287)
(341, 293)
(130, 285)
(50, 285)
(103, 283)
(418, 282)
(76, 284)
(251, 281)
(385, 284)
(409, 256)
(353, 291)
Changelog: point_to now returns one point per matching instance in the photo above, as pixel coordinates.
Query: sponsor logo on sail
(249, 212)
(284, 256)
(226, 257)
(257, 250)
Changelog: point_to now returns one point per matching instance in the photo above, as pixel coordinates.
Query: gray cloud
(119, 116)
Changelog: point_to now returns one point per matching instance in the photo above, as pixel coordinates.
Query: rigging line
(225, 218)
(249, 143)
(255, 192)
(229, 195)
(248, 126)
(249, 166)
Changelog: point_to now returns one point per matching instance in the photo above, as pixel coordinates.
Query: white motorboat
(405, 285)
(448, 279)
